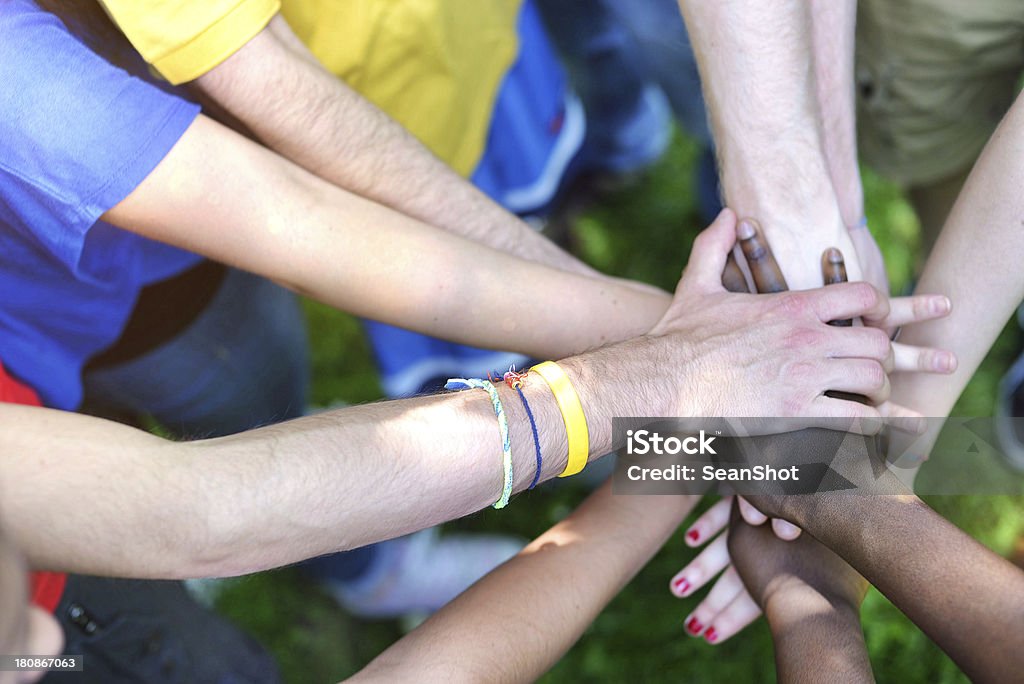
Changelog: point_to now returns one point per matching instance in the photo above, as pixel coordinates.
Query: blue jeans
(242, 363)
(617, 51)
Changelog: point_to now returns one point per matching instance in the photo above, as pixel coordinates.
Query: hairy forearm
(229, 199)
(757, 68)
(977, 264)
(117, 501)
(958, 592)
(832, 39)
(278, 90)
(515, 623)
(817, 640)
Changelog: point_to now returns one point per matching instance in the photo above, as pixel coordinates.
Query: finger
(833, 267)
(855, 417)
(710, 523)
(859, 343)
(902, 418)
(711, 249)
(908, 358)
(908, 310)
(845, 300)
(750, 514)
(732, 276)
(701, 569)
(858, 376)
(763, 267)
(728, 587)
(833, 272)
(785, 530)
(733, 618)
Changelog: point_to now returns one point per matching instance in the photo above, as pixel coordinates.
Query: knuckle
(801, 371)
(792, 406)
(793, 304)
(878, 344)
(866, 296)
(874, 376)
(802, 338)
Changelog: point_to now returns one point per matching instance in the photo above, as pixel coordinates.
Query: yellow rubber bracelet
(568, 401)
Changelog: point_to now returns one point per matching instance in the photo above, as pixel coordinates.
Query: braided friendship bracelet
(515, 381)
(499, 412)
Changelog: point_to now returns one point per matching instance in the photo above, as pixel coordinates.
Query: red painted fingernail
(693, 626)
(710, 635)
(682, 585)
(693, 535)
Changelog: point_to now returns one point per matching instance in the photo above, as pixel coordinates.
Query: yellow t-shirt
(184, 40)
(435, 66)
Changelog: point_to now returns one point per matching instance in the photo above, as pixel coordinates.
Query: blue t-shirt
(77, 135)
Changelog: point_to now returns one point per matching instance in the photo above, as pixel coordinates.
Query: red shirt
(46, 587)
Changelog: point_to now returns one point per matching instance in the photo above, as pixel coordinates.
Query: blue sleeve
(77, 134)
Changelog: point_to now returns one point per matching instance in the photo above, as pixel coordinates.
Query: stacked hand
(775, 355)
(730, 606)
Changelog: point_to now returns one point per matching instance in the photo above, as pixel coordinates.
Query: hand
(763, 568)
(792, 581)
(767, 277)
(772, 355)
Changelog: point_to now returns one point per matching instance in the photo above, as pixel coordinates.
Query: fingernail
(681, 585)
(693, 535)
(786, 528)
(944, 363)
(710, 635)
(745, 230)
(941, 305)
(693, 626)
(833, 255)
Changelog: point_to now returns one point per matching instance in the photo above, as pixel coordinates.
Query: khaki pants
(934, 78)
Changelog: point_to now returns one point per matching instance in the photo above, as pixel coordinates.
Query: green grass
(644, 233)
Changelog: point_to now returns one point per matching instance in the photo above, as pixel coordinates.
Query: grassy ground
(644, 234)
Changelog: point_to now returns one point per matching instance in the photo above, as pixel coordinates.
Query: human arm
(778, 81)
(756, 63)
(118, 501)
(276, 87)
(516, 622)
(811, 599)
(977, 262)
(220, 195)
(963, 596)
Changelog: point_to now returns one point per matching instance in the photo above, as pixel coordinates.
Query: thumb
(711, 249)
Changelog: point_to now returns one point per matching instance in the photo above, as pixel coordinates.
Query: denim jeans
(617, 51)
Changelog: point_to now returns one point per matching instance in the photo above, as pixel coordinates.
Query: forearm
(279, 91)
(117, 501)
(832, 36)
(977, 264)
(222, 196)
(515, 623)
(757, 68)
(959, 593)
(817, 640)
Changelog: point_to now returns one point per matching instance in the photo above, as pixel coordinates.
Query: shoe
(421, 572)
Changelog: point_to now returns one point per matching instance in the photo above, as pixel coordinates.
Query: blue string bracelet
(518, 387)
(499, 412)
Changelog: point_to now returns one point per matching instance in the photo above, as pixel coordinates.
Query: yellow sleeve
(184, 39)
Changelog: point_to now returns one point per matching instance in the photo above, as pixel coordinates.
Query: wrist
(787, 609)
